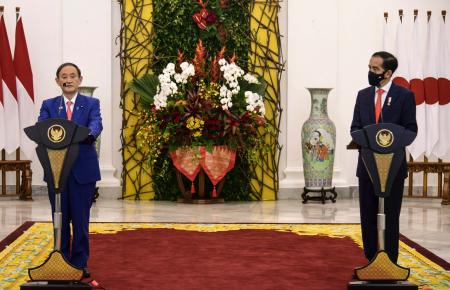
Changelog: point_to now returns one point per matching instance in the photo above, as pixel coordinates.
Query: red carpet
(244, 259)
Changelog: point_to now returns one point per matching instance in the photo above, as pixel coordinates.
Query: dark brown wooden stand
(199, 197)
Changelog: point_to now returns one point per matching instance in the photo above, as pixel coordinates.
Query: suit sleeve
(44, 112)
(408, 118)
(95, 119)
(356, 122)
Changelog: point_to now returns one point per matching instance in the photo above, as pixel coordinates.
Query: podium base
(55, 285)
(399, 285)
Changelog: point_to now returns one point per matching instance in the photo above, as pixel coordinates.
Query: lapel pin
(389, 101)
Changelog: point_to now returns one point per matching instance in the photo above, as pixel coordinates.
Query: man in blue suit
(384, 102)
(76, 198)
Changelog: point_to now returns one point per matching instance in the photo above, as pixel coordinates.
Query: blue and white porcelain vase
(318, 142)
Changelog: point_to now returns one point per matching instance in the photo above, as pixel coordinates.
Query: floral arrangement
(206, 102)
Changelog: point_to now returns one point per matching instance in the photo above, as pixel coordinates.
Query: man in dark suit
(384, 102)
(76, 198)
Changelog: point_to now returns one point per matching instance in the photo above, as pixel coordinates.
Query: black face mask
(375, 79)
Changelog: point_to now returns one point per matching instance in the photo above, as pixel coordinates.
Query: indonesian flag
(2, 119)
(443, 73)
(431, 89)
(402, 73)
(419, 145)
(11, 107)
(25, 92)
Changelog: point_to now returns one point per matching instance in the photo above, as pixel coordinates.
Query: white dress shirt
(385, 88)
(72, 100)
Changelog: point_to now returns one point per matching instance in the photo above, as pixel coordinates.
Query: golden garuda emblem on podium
(56, 133)
(384, 138)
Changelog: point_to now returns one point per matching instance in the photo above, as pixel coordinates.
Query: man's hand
(90, 139)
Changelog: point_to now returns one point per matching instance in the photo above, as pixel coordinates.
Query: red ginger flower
(199, 59)
(233, 59)
(215, 69)
(180, 57)
(223, 3)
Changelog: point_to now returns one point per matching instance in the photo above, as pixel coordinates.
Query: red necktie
(378, 104)
(69, 110)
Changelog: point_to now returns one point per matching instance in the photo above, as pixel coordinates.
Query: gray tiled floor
(425, 221)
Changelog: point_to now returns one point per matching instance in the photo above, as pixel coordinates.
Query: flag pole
(411, 160)
(18, 149)
(443, 13)
(425, 159)
(3, 174)
(3, 150)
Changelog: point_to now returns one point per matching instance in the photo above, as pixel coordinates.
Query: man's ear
(81, 79)
(388, 74)
(56, 80)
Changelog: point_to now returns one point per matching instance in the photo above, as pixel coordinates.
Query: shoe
(86, 273)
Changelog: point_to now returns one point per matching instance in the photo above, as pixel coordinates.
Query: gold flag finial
(400, 13)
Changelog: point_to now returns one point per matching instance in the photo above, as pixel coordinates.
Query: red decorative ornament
(204, 17)
(187, 161)
(217, 164)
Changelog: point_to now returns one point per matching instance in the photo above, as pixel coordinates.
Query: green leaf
(146, 88)
(261, 87)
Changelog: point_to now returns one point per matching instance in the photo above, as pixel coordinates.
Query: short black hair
(68, 64)
(390, 62)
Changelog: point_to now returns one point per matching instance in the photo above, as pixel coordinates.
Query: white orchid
(251, 79)
(255, 103)
(168, 82)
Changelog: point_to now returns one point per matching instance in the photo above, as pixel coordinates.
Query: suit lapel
(390, 99)
(60, 108)
(78, 108)
(371, 105)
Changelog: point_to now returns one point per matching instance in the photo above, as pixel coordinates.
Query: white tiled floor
(425, 221)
